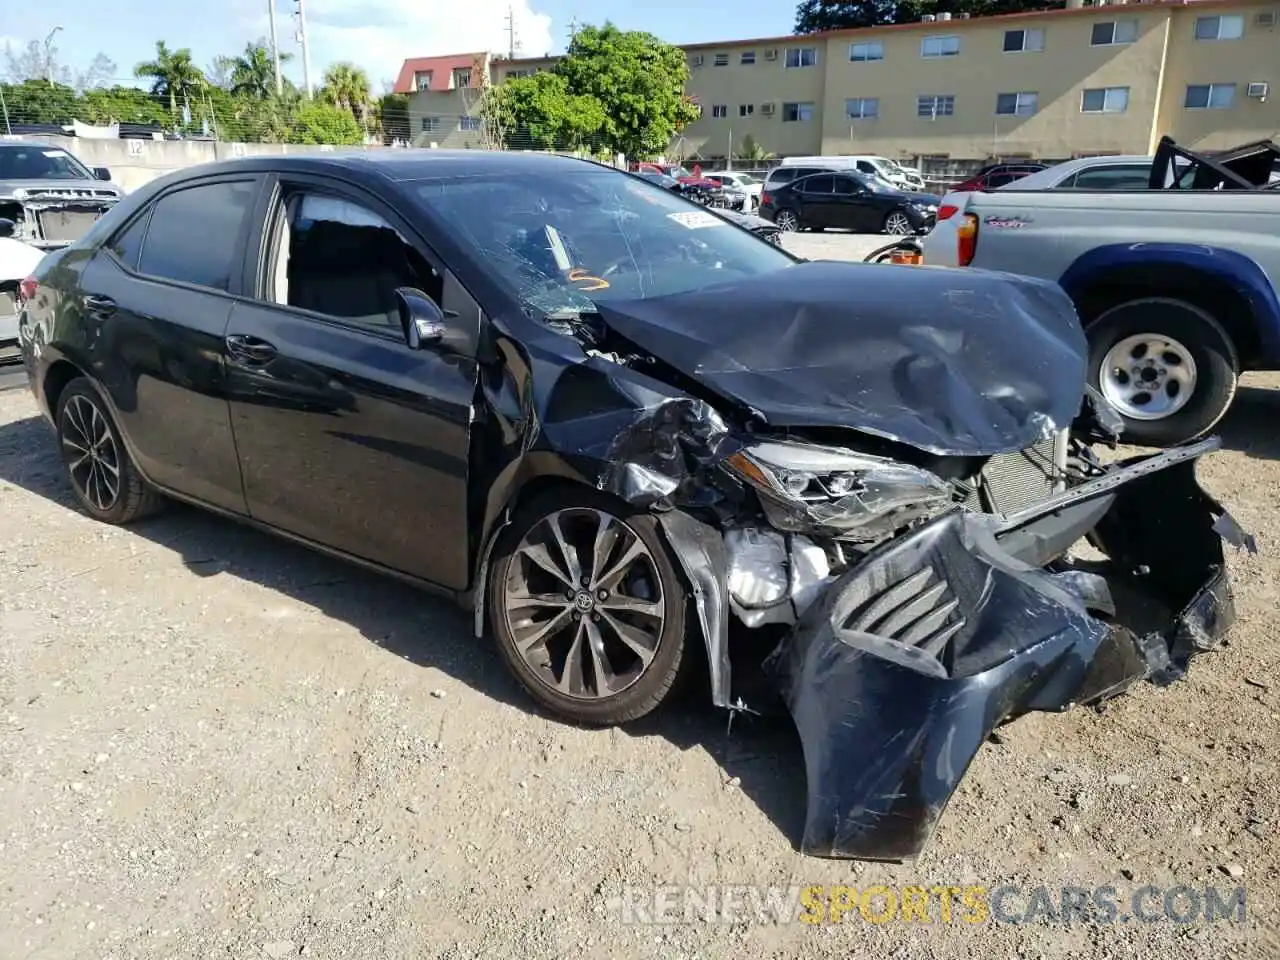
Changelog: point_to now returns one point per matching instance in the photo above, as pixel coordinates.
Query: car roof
(398, 164)
(1051, 176)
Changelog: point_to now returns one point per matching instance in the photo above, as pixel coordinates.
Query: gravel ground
(213, 743)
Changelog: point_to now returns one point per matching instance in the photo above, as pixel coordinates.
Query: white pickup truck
(1176, 285)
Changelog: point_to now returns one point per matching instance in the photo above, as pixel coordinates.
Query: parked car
(709, 193)
(869, 166)
(761, 227)
(1088, 173)
(610, 422)
(51, 197)
(744, 183)
(997, 175)
(850, 201)
(17, 261)
(1176, 285)
(702, 184)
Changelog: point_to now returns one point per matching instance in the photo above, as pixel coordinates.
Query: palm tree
(253, 73)
(751, 150)
(173, 74)
(347, 86)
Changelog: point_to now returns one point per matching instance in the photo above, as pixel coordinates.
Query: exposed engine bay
(52, 217)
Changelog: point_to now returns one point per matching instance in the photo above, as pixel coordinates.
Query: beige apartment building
(1112, 77)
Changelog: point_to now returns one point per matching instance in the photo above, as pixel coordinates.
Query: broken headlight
(806, 488)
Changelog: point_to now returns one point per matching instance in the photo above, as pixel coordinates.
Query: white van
(879, 167)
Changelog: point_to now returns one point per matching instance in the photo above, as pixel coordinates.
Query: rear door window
(818, 185)
(127, 244)
(197, 234)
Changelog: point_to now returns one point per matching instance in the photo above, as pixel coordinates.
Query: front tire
(102, 474)
(587, 607)
(1167, 366)
(897, 224)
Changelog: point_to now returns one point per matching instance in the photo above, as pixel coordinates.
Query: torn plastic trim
(899, 673)
(700, 550)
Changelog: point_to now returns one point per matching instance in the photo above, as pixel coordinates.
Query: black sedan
(611, 422)
(848, 201)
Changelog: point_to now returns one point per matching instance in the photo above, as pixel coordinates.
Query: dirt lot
(213, 744)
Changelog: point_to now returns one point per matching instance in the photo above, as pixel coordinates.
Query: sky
(374, 34)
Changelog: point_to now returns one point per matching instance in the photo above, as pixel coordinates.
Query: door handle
(249, 349)
(102, 306)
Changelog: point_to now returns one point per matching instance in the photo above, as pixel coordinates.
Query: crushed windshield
(39, 161)
(562, 242)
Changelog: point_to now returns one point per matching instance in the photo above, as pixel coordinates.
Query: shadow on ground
(763, 752)
(1250, 424)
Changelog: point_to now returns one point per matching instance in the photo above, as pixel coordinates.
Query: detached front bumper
(906, 664)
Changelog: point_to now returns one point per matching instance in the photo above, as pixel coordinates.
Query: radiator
(1012, 481)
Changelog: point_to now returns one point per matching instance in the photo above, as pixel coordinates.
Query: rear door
(156, 298)
(347, 437)
(817, 199)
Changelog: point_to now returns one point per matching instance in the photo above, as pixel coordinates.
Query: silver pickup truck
(1176, 285)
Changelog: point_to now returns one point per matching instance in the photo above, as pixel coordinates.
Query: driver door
(347, 437)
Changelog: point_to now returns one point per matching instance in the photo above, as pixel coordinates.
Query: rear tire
(102, 474)
(786, 220)
(602, 652)
(1119, 344)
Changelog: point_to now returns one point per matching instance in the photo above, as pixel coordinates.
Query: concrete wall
(136, 162)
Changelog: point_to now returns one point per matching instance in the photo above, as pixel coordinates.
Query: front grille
(1012, 481)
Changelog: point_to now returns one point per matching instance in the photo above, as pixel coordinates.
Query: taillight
(966, 239)
(947, 211)
(27, 290)
(765, 197)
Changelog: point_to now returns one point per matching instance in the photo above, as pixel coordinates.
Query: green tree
(391, 115)
(173, 74)
(540, 113)
(315, 122)
(38, 101)
(815, 16)
(347, 86)
(107, 105)
(253, 73)
(752, 151)
(637, 80)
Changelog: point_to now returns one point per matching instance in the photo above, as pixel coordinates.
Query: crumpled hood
(954, 362)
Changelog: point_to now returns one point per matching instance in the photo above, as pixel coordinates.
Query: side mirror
(102, 173)
(421, 318)
(7, 228)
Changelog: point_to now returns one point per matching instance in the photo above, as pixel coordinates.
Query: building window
(1024, 41)
(518, 74)
(430, 124)
(866, 52)
(462, 77)
(719, 111)
(940, 47)
(748, 57)
(862, 108)
(795, 112)
(1016, 104)
(802, 56)
(469, 123)
(1113, 32)
(935, 105)
(746, 109)
(1210, 96)
(720, 60)
(422, 80)
(1105, 100)
(1220, 28)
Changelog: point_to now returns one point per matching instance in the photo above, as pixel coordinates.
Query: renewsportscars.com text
(941, 904)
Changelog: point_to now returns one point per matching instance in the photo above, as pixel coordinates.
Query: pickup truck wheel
(1167, 366)
(587, 607)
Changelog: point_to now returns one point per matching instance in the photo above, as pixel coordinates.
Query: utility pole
(301, 14)
(275, 46)
(48, 54)
(573, 28)
(512, 43)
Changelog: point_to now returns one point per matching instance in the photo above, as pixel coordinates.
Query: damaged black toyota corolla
(626, 430)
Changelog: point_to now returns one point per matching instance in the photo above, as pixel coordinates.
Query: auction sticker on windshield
(696, 219)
